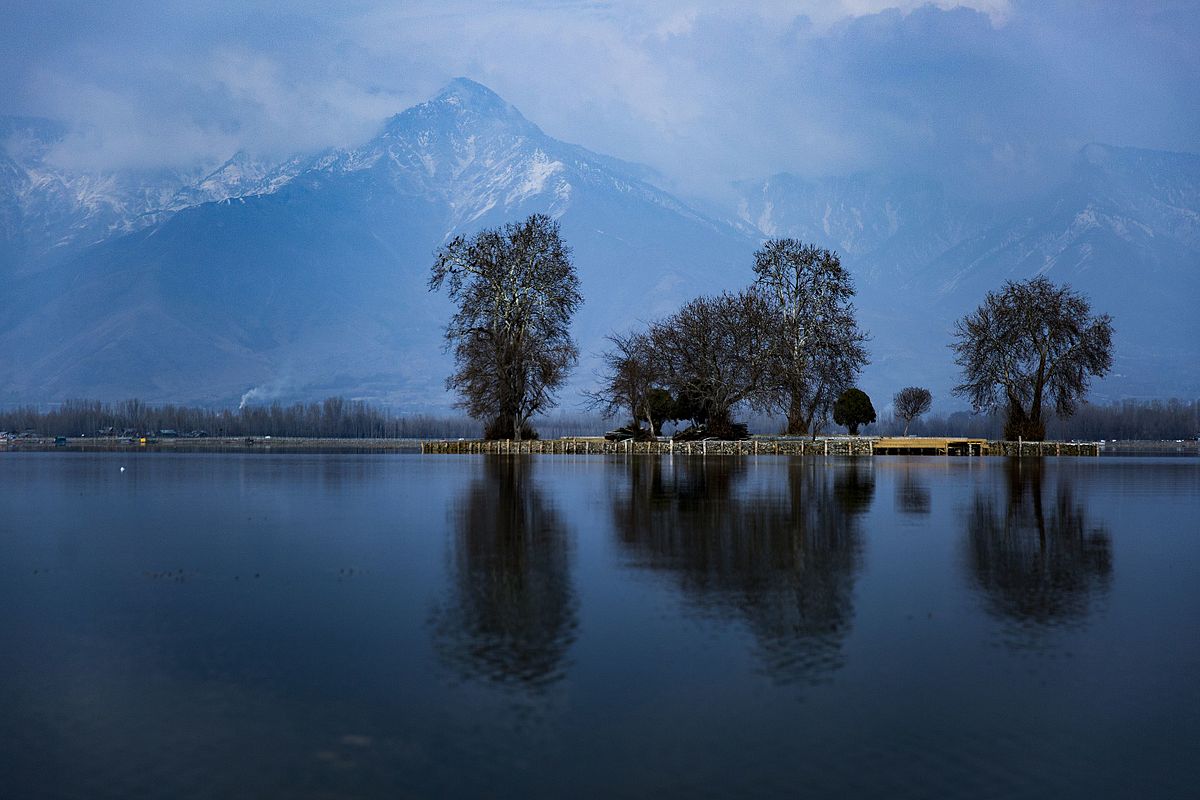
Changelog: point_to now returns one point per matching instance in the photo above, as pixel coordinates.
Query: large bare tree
(516, 292)
(816, 348)
(1031, 344)
(710, 353)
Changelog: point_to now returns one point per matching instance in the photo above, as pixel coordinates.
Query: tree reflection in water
(512, 612)
(912, 496)
(1037, 563)
(784, 561)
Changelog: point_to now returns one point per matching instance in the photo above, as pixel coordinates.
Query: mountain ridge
(306, 276)
(319, 284)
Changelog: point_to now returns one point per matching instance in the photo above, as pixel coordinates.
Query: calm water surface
(321, 626)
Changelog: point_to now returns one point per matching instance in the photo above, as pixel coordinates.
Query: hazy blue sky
(997, 91)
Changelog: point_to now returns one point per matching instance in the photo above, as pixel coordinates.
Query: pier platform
(931, 446)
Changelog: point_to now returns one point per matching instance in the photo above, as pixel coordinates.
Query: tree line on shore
(787, 344)
(1124, 420)
(1127, 419)
(332, 418)
(335, 417)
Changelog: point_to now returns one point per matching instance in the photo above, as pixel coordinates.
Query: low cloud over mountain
(307, 276)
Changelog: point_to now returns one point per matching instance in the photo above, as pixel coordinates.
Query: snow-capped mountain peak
(315, 280)
(50, 210)
(466, 97)
(486, 161)
(242, 175)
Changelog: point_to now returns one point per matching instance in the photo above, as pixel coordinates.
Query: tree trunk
(1021, 425)
(797, 420)
(1036, 426)
(720, 424)
(503, 426)
(811, 422)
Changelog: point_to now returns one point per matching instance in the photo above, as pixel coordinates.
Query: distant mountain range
(305, 278)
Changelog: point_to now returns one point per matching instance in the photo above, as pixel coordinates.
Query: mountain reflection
(1037, 560)
(511, 613)
(783, 559)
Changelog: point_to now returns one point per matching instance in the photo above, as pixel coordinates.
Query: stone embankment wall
(862, 446)
(1044, 448)
(794, 447)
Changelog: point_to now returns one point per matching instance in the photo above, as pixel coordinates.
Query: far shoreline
(213, 444)
(832, 445)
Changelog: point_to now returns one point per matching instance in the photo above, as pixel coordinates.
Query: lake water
(321, 626)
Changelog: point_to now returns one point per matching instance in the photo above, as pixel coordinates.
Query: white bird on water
(122, 469)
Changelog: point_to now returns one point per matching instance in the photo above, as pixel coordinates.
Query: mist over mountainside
(305, 278)
(1123, 230)
(882, 225)
(242, 175)
(317, 285)
(48, 212)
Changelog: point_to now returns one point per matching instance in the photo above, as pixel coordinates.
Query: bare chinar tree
(910, 403)
(516, 292)
(632, 382)
(1031, 344)
(817, 348)
(710, 352)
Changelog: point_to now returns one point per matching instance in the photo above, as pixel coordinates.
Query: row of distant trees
(1123, 420)
(789, 344)
(1129, 419)
(335, 417)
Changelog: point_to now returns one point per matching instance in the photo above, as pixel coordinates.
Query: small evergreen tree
(852, 409)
